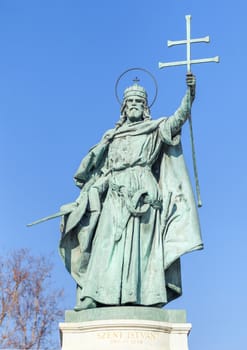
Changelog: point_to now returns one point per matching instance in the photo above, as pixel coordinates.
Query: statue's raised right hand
(191, 83)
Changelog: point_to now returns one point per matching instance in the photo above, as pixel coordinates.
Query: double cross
(188, 41)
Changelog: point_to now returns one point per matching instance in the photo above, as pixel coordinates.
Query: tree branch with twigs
(29, 306)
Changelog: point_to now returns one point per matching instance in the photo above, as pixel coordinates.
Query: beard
(134, 114)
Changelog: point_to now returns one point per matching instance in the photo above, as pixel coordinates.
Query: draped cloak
(135, 217)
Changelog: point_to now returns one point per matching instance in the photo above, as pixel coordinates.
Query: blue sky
(59, 61)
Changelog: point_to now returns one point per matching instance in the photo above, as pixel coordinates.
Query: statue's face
(134, 108)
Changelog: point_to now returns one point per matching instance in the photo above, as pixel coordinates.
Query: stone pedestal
(125, 328)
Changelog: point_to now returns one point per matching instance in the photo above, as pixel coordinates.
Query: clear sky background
(59, 61)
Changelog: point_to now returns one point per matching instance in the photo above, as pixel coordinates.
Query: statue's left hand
(191, 83)
(69, 206)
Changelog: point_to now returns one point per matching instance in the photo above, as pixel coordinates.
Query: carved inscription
(128, 337)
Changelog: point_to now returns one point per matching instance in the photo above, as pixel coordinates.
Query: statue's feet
(87, 303)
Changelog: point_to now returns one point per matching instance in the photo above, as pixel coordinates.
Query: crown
(135, 90)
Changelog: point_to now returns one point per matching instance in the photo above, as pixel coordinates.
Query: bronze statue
(135, 216)
(123, 237)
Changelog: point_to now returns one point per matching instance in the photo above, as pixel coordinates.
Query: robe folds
(135, 217)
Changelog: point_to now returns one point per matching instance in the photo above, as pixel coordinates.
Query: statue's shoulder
(109, 133)
(159, 121)
(106, 136)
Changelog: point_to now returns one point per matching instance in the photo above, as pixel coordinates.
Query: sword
(78, 208)
(49, 217)
(64, 210)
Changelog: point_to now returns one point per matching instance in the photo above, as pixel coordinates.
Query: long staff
(198, 192)
(188, 41)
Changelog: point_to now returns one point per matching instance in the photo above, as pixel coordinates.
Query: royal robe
(137, 217)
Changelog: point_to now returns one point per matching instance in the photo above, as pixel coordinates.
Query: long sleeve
(177, 120)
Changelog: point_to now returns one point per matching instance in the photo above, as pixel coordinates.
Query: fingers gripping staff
(190, 83)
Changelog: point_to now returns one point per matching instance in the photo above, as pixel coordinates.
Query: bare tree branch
(29, 307)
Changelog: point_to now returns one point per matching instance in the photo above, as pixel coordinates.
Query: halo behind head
(136, 89)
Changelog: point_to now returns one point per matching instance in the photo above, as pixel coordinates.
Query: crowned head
(135, 105)
(135, 90)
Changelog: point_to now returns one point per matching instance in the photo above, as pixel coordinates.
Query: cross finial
(188, 41)
(136, 80)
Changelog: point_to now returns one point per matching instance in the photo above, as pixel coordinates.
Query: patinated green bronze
(123, 237)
